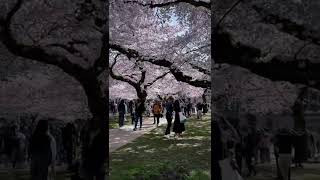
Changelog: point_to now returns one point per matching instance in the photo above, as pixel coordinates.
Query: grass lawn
(152, 156)
(114, 121)
(25, 175)
(309, 172)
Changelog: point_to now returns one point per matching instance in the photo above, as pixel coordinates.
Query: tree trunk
(142, 95)
(298, 110)
(98, 106)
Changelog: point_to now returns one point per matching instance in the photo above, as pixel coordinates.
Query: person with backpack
(157, 109)
(140, 108)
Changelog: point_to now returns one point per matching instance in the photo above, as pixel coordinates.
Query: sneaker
(135, 129)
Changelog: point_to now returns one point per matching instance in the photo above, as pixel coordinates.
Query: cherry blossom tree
(162, 43)
(70, 35)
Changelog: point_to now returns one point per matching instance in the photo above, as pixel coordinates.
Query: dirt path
(125, 135)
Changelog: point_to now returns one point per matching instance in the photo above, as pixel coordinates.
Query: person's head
(122, 101)
(14, 128)
(230, 144)
(42, 126)
(171, 99)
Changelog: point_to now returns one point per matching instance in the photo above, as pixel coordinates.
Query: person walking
(285, 149)
(199, 110)
(299, 149)
(140, 108)
(157, 109)
(189, 108)
(169, 115)
(249, 152)
(122, 112)
(178, 127)
(18, 147)
(132, 110)
(43, 152)
(69, 143)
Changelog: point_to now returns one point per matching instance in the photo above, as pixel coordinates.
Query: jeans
(138, 117)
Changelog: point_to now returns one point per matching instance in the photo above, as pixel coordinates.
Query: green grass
(309, 172)
(152, 156)
(25, 175)
(114, 121)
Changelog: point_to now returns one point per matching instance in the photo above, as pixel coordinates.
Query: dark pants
(278, 169)
(156, 117)
(169, 120)
(138, 117)
(39, 169)
(121, 119)
(132, 117)
(239, 162)
(250, 164)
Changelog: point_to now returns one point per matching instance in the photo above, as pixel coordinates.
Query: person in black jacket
(140, 108)
(131, 110)
(178, 127)
(122, 112)
(285, 144)
(169, 114)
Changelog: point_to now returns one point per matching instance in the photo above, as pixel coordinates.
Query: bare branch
(35, 52)
(119, 77)
(156, 79)
(170, 3)
(228, 12)
(178, 74)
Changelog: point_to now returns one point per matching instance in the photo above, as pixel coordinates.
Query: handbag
(182, 118)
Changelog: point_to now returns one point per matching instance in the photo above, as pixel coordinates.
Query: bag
(182, 118)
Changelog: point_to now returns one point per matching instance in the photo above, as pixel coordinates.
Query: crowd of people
(169, 108)
(73, 146)
(252, 146)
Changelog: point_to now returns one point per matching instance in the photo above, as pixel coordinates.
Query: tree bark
(98, 107)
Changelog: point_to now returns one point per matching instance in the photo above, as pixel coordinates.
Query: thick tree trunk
(98, 106)
(298, 110)
(142, 95)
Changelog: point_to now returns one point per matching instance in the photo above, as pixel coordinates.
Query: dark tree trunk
(298, 110)
(98, 106)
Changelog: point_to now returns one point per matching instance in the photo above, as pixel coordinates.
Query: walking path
(125, 135)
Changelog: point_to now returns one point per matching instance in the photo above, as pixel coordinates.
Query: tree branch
(226, 14)
(178, 74)
(170, 3)
(119, 77)
(156, 79)
(36, 52)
